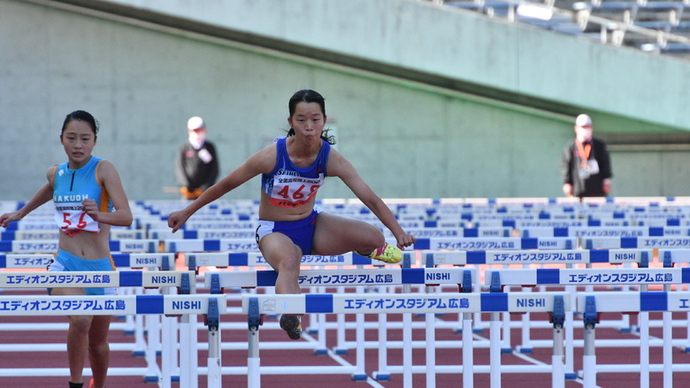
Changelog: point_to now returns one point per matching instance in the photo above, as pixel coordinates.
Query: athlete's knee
(290, 263)
(99, 348)
(80, 324)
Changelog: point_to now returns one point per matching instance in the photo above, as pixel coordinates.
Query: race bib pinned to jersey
(294, 190)
(71, 219)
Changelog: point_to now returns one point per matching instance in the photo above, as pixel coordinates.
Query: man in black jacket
(196, 164)
(585, 164)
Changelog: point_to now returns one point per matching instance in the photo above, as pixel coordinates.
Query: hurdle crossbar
(89, 279)
(216, 280)
(485, 243)
(256, 259)
(44, 305)
(555, 256)
(255, 305)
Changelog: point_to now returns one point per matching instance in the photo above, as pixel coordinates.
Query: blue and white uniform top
(70, 188)
(292, 186)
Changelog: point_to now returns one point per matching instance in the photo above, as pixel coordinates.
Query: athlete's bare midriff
(87, 245)
(277, 213)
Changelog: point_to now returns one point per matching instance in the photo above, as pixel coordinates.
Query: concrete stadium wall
(406, 139)
(464, 45)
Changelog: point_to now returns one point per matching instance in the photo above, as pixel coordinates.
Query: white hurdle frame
(217, 280)
(107, 279)
(603, 276)
(554, 302)
(567, 257)
(591, 304)
(63, 305)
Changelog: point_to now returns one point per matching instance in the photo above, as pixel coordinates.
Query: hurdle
(87, 279)
(591, 304)
(256, 305)
(216, 281)
(171, 305)
(43, 246)
(665, 242)
(601, 276)
(498, 243)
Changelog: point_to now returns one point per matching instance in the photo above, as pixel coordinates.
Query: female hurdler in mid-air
(290, 225)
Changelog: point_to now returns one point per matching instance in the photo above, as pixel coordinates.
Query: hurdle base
(506, 350)
(526, 350)
(381, 376)
(340, 351)
(571, 376)
(139, 353)
(321, 352)
(360, 377)
(687, 350)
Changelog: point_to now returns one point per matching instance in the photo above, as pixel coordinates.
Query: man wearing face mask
(585, 165)
(196, 165)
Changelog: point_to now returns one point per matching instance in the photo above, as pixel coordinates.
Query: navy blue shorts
(301, 232)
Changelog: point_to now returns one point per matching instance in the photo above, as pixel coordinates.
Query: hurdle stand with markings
(132, 325)
(216, 281)
(233, 260)
(606, 276)
(506, 257)
(172, 305)
(545, 257)
(592, 304)
(554, 302)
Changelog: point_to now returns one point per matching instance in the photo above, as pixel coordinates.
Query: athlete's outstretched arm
(260, 162)
(43, 195)
(342, 168)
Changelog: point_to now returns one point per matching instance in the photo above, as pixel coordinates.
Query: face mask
(584, 135)
(197, 138)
